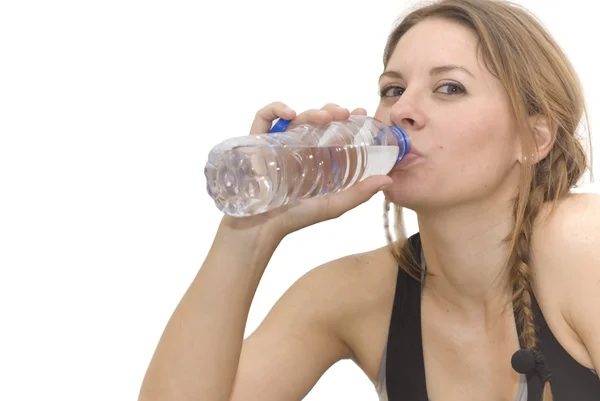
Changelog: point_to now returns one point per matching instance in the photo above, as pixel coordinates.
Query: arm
(202, 353)
(572, 254)
(198, 351)
(299, 340)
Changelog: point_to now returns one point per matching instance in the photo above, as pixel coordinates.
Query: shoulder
(347, 287)
(567, 233)
(566, 241)
(352, 283)
(565, 250)
(327, 301)
(353, 296)
(574, 211)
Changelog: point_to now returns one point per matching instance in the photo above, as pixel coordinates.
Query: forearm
(197, 356)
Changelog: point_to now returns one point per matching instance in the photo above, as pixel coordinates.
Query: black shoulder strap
(405, 367)
(570, 380)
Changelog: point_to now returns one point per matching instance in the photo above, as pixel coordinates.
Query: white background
(107, 113)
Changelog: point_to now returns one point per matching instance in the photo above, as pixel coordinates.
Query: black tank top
(405, 368)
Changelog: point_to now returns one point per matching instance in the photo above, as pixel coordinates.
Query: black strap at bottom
(405, 367)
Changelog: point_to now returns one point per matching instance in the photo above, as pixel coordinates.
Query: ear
(543, 136)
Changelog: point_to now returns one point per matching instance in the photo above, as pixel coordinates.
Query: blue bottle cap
(280, 126)
(402, 140)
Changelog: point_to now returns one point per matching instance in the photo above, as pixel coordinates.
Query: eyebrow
(434, 71)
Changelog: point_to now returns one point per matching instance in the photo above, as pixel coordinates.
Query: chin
(416, 193)
(405, 194)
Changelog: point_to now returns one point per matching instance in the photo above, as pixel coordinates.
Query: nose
(406, 115)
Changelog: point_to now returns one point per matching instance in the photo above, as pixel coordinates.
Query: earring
(525, 158)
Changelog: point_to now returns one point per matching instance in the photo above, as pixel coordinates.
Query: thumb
(356, 195)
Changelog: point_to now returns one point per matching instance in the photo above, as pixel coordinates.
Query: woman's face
(458, 116)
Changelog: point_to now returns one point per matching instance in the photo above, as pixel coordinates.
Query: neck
(466, 252)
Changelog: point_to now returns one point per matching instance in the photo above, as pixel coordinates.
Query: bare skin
(341, 310)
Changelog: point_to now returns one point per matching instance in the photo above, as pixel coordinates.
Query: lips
(407, 160)
(414, 151)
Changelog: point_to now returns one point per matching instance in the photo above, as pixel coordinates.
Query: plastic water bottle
(255, 173)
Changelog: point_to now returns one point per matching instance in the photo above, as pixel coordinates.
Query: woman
(506, 258)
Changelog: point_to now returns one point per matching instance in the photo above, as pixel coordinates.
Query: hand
(328, 113)
(289, 218)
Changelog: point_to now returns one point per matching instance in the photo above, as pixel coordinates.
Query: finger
(335, 205)
(356, 195)
(337, 113)
(359, 112)
(264, 117)
(312, 117)
(328, 113)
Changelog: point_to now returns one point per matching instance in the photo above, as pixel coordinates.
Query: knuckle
(277, 105)
(307, 114)
(260, 112)
(269, 107)
(329, 210)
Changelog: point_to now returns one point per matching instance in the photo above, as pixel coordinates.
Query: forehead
(435, 41)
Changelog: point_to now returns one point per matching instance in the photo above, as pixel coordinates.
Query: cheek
(473, 154)
(479, 137)
(382, 113)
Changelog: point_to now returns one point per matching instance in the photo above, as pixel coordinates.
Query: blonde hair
(539, 80)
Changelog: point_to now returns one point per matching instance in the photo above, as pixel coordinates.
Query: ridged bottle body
(256, 173)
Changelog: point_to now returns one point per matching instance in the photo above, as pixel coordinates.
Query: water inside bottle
(253, 179)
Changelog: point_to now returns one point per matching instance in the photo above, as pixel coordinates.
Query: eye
(391, 91)
(451, 89)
